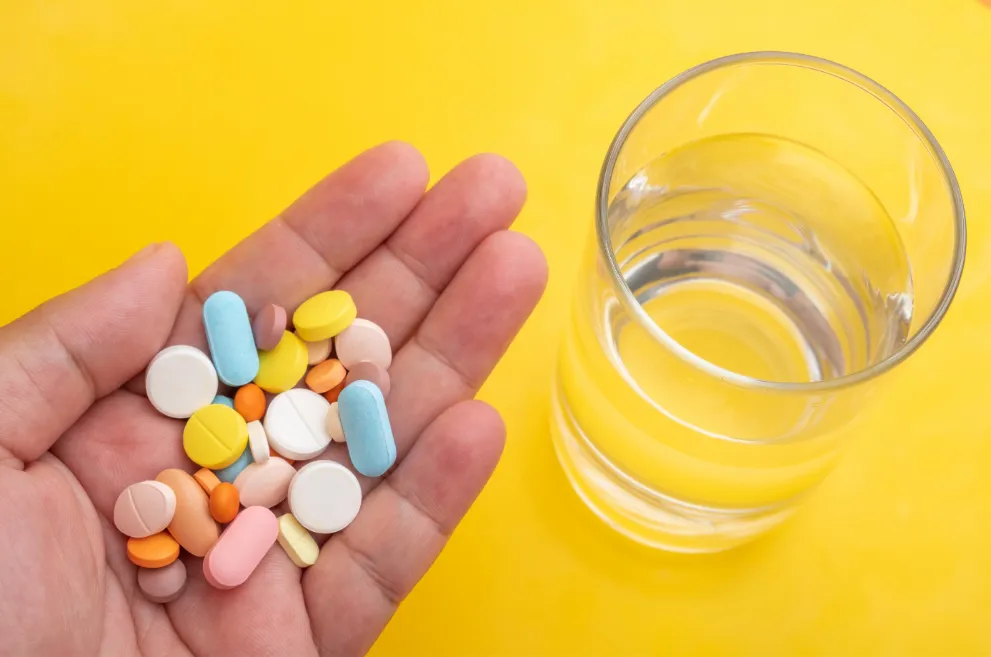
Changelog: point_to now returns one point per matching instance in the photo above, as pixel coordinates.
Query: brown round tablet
(192, 525)
(144, 508)
(268, 327)
(162, 584)
(372, 372)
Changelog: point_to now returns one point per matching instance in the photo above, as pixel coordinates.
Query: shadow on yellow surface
(123, 123)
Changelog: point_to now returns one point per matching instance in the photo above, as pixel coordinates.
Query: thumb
(60, 358)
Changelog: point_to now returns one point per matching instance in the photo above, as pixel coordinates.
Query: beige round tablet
(317, 352)
(264, 484)
(334, 428)
(144, 508)
(363, 340)
(162, 584)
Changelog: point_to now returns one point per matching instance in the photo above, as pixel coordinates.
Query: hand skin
(437, 269)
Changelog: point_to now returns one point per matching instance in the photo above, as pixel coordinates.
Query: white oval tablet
(180, 381)
(258, 442)
(325, 497)
(296, 423)
(363, 340)
(334, 427)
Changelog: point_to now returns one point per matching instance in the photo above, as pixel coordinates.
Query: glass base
(643, 514)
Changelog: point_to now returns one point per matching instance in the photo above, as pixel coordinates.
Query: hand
(437, 270)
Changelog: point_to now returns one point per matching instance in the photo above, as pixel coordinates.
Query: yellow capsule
(324, 315)
(283, 367)
(297, 542)
(215, 436)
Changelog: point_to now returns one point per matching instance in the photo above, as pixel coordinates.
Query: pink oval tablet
(363, 340)
(268, 327)
(265, 484)
(144, 508)
(241, 547)
(162, 584)
(369, 371)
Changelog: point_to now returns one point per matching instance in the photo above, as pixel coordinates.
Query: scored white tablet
(296, 424)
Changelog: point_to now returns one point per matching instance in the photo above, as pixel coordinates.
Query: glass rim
(846, 74)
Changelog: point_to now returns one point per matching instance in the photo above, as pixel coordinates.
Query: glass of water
(774, 234)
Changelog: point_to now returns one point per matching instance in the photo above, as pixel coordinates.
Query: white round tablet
(180, 381)
(296, 423)
(325, 497)
(258, 442)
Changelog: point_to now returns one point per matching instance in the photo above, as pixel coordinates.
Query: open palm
(437, 270)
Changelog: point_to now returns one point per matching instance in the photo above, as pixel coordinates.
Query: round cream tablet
(334, 428)
(296, 424)
(144, 508)
(180, 381)
(258, 442)
(363, 341)
(325, 497)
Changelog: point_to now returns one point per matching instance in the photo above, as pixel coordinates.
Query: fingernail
(144, 253)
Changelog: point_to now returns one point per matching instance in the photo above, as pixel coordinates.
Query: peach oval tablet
(363, 340)
(207, 479)
(269, 324)
(162, 584)
(144, 508)
(249, 401)
(192, 525)
(225, 502)
(326, 375)
(369, 371)
(265, 484)
(241, 548)
(155, 551)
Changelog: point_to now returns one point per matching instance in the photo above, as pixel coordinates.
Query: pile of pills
(291, 401)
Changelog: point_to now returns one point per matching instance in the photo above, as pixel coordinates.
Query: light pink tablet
(363, 340)
(163, 584)
(241, 548)
(144, 508)
(268, 327)
(369, 371)
(265, 484)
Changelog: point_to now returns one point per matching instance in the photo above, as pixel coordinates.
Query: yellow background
(123, 122)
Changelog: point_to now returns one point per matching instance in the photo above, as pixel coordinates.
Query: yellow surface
(283, 367)
(126, 122)
(215, 436)
(324, 316)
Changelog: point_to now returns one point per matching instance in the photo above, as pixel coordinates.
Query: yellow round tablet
(283, 367)
(324, 315)
(215, 436)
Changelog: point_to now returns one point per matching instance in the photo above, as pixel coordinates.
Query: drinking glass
(774, 235)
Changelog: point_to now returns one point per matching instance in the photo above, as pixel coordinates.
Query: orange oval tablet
(335, 392)
(163, 584)
(225, 502)
(192, 525)
(326, 375)
(155, 551)
(206, 479)
(249, 401)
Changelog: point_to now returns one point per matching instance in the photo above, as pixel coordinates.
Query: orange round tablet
(249, 401)
(335, 392)
(326, 375)
(155, 551)
(206, 479)
(225, 502)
